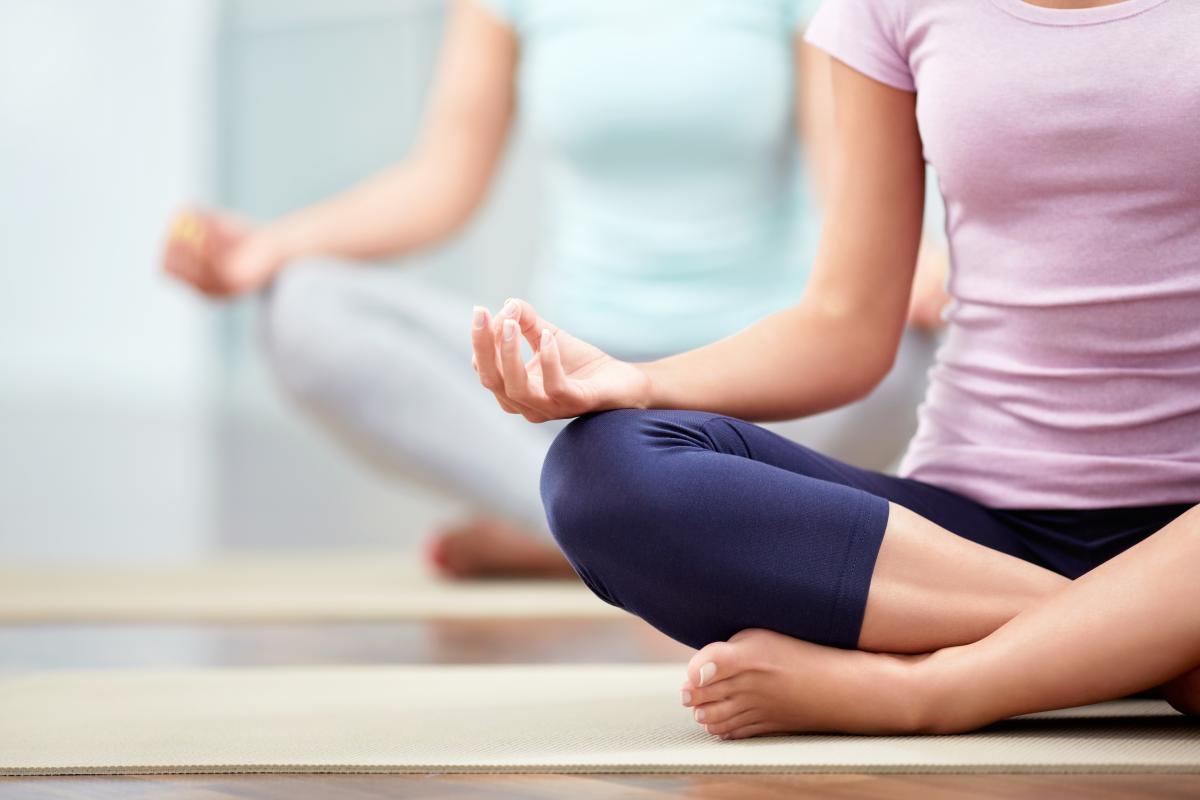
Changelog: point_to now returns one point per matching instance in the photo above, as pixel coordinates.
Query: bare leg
(1133, 615)
(1128, 625)
(932, 589)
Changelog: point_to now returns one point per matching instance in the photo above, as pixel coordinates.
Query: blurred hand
(566, 376)
(929, 296)
(219, 254)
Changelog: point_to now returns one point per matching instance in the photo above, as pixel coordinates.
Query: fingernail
(479, 318)
(707, 672)
(699, 715)
(510, 330)
(546, 337)
(685, 697)
(509, 310)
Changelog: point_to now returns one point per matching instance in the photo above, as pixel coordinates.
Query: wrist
(284, 242)
(646, 394)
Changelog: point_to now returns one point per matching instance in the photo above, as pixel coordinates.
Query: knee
(298, 321)
(580, 473)
(603, 477)
(586, 479)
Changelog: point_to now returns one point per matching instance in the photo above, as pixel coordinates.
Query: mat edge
(613, 769)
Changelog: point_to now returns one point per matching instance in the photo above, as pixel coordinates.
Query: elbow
(856, 383)
(873, 372)
(864, 344)
(450, 188)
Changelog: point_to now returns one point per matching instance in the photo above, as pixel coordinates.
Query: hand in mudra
(566, 376)
(219, 254)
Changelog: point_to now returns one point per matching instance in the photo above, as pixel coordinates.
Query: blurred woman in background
(677, 215)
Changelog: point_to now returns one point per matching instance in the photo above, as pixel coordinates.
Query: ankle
(910, 710)
(938, 704)
(902, 703)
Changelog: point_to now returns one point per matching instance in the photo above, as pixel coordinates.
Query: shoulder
(869, 36)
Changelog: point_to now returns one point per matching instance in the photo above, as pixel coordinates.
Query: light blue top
(675, 192)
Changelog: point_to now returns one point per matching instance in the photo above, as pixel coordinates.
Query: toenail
(707, 672)
(685, 697)
(699, 715)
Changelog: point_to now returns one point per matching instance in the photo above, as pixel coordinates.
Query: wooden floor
(57, 647)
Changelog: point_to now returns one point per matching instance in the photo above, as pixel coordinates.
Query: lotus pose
(1040, 547)
(667, 136)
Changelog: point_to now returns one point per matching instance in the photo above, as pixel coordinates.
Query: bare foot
(486, 547)
(761, 683)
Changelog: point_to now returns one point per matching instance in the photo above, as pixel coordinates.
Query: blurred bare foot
(487, 547)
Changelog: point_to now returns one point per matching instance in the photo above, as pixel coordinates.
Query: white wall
(137, 423)
(103, 128)
(104, 108)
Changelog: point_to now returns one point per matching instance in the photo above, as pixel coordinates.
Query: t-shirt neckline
(1076, 16)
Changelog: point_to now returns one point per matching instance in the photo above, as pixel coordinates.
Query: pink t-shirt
(1067, 144)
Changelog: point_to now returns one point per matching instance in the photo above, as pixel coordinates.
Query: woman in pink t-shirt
(1045, 521)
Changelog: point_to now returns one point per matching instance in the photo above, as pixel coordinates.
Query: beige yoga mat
(275, 588)
(567, 718)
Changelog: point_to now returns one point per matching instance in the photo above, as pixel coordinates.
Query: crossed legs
(981, 633)
(1125, 627)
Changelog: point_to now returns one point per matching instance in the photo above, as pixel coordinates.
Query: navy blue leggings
(704, 525)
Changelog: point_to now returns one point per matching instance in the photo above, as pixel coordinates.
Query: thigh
(705, 525)
(347, 293)
(954, 512)
(1073, 542)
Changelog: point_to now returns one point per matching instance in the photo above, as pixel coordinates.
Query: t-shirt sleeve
(507, 11)
(866, 36)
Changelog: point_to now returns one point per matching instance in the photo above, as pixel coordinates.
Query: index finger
(530, 323)
(484, 347)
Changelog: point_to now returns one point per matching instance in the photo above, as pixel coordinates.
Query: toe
(716, 662)
(718, 712)
(751, 730)
(693, 696)
(740, 721)
(443, 554)
(435, 553)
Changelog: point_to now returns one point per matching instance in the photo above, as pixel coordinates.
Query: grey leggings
(383, 357)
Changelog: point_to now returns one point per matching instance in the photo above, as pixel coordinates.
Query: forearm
(1126, 626)
(410, 206)
(804, 360)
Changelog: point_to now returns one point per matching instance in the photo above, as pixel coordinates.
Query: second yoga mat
(278, 588)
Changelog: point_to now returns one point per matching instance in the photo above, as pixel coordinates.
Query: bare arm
(839, 342)
(814, 112)
(814, 122)
(416, 203)
(831, 348)
(437, 187)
